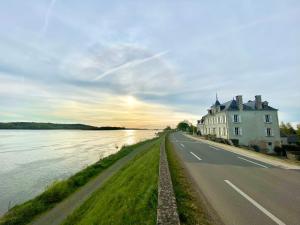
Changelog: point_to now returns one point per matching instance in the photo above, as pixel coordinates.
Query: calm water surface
(30, 160)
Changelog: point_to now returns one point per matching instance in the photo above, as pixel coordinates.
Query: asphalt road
(242, 191)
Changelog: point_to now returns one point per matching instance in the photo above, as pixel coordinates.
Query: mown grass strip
(129, 197)
(58, 191)
(190, 209)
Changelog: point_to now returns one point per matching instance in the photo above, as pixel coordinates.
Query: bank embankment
(129, 197)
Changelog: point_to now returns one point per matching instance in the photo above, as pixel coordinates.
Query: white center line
(195, 155)
(256, 204)
(182, 145)
(213, 147)
(253, 162)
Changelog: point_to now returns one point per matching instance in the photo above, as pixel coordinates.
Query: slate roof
(232, 105)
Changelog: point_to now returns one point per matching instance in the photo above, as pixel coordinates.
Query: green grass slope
(129, 197)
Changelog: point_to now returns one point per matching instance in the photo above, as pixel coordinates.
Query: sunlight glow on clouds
(121, 111)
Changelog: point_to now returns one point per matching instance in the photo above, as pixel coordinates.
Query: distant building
(292, 139)
(254, 123)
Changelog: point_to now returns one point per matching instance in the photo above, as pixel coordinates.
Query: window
(268, 118)
(237, 131)
(224, 131)
(268, 132)
(236, 118)
(220, 131)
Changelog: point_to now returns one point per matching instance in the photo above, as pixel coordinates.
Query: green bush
(293, 148)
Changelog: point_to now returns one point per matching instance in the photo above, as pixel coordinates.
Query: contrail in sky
(132, 63)
(47, 16)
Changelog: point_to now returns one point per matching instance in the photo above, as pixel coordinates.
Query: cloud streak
(132, 63)
(47, 17)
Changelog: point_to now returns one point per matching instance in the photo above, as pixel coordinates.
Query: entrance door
(270, 147)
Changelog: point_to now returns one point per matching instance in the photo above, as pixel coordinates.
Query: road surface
(243, 191)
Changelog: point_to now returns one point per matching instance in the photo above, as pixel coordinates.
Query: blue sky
(145, 63)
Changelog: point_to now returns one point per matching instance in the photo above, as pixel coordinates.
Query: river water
(30, 160)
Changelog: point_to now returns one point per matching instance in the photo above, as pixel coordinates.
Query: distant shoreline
(58, 126)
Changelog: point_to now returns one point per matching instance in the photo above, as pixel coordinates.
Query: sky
(145, 64)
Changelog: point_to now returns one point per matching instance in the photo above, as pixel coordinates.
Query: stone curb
(167, 208)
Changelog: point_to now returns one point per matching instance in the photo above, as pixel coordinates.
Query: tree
(167, 128)
(291, 129)
(287, 129)
(184, 126)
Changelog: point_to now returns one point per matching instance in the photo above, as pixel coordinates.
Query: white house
(251, 123)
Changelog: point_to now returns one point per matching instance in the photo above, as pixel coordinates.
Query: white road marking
(256, 204)
(195, 155)
(253, 162)
(182, 145)
(214, 147)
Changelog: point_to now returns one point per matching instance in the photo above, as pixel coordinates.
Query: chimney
(258, 103)
(239, 101)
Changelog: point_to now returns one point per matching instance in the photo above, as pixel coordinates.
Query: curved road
(243, 191)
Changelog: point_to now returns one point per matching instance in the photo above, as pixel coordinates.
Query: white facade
(253, 123)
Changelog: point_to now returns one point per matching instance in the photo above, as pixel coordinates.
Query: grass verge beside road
(58, 191)
(129, 197)
(190, 209)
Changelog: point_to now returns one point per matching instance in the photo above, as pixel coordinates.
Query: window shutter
(270, 118)
(232, 118)
(233, 131)
(240, 118)
(240, 131)
(264, 118)
(272, 134)
(266, 132)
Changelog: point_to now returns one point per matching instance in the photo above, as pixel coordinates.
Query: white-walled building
(251, 123)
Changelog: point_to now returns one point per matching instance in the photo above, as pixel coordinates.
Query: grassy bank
(24, 213)
(190, 209)
(129, 197)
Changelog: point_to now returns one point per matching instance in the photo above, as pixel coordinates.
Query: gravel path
(167, 208)
(56, 215)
